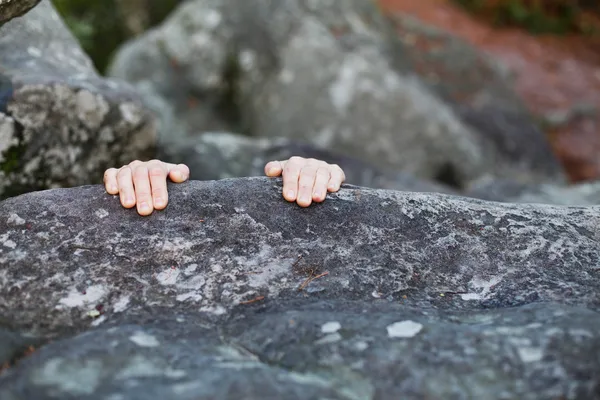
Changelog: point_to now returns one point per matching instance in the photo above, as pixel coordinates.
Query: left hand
(305, 179)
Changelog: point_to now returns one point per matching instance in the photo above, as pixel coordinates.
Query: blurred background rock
(551, 47)
(456, 96)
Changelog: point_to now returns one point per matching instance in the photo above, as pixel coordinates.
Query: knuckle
(123, 172)
(134, 163)
(142, 194)
(156, 172)
(140, 170)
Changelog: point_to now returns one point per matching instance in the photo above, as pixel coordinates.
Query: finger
(110, 181)
(178, 173)
(125, 184)
(141, 185)
(306, 183)
(157, 173)
(291, 172)
(274, 168)
(336, 178)
(320, 186)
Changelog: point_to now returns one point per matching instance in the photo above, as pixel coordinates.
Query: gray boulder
(231, 292)
(219, 155)
(580, 194)
(325, 72)
(10, 9)
(61, 124)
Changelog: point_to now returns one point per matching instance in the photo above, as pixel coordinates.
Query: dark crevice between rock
(448, 175)
(13, 162)
(228, 104)
(6, 92)
(13, 156)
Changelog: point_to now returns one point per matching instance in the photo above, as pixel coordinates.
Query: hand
(144, 183)
(305, 179)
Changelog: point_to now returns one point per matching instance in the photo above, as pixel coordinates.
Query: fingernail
(129, 200)
(159, 201)
(290, 193)
(144, 206)
(272, 170)
(319, 195)
(113, 188)
(304, 199)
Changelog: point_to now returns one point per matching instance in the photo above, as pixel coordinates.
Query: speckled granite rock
(61, 124)
(412, 296)
(10, 9)
(322, 71)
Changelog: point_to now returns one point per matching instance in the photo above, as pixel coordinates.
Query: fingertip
(111, 188)
(304, 202)
(144, 209)
(185, 170)
(273, 169)
(127, 201)
(289, 195)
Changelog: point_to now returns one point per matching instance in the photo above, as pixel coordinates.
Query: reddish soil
(554, 76)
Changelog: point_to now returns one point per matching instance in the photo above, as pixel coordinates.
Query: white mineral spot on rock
(101, 213)
(470, 296)
(78, 378)
(191, 268)
(140, 367)
(15, 219)
(34, 52)
(168, 276)
(143, 339)
(331, 327)
(530, 354)
(330, 338)
(10, 244)
(189, 296)
(121, 304)
(216, 310)
(195, 282)
(75, 298)
(98, 321)
(361, 346)
(404, 329)
(217, 268)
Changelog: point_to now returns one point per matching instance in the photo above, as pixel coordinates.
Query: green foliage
(558, 17)
(99, 25)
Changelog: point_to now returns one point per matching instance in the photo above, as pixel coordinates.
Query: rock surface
(10, 9)
(231, 293)
(332, 73)
(60, 123)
